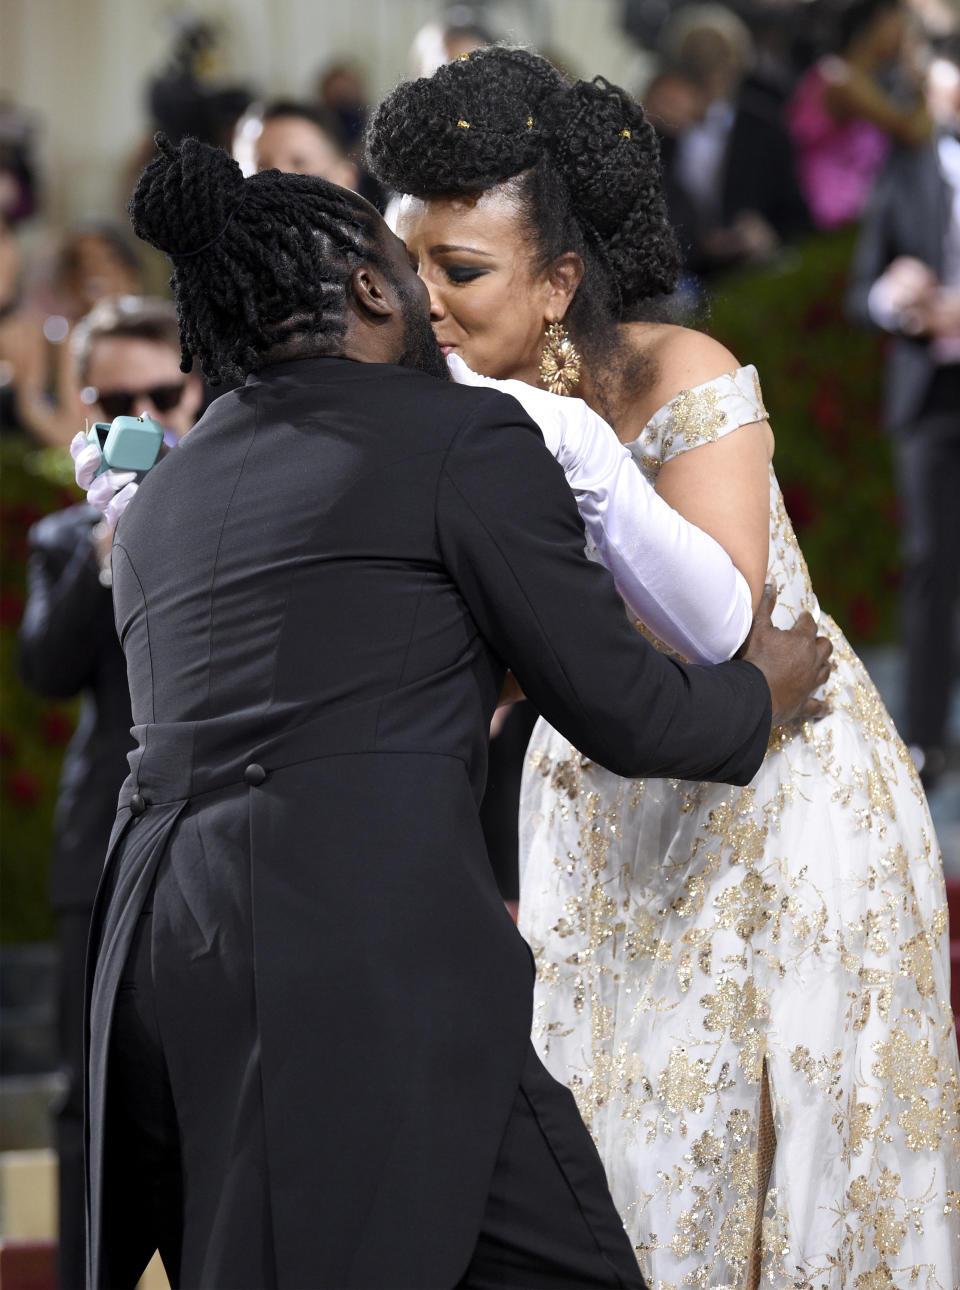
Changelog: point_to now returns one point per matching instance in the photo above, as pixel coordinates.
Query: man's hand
(795, 662)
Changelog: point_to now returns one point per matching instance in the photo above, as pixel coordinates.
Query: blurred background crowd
(811, 159)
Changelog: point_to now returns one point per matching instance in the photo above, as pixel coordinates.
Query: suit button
(138, 804)
(254, 775)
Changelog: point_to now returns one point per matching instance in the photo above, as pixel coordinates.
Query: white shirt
(880, 306)
(699, 157)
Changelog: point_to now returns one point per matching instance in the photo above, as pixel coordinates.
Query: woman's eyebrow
(444, 247)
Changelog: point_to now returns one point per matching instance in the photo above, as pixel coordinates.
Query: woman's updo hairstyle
(255, 261)
(587, 158)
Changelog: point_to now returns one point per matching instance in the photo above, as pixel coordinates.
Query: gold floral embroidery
(685, 934)
(696, 417)
(906, 1065)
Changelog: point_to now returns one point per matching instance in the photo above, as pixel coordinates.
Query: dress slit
(766, 1149)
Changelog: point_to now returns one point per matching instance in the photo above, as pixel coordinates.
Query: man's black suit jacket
(69, 646)
(908, 214)
(317, 595)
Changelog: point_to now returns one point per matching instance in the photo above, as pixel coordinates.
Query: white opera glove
(673, 576)
(110, 493)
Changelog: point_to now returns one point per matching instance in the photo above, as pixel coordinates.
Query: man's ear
(367, 287)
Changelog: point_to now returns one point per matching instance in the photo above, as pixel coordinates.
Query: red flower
(892, 511)
(56, 727)
(801, 505)
(863, 617)
(16, 548)
(11, 608)
(23, 787)
(23, 514)
(827, 409)
(818, 316)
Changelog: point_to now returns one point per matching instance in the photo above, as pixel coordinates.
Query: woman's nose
(437, 307)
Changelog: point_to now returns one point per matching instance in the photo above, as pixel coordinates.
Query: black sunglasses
(120, 403)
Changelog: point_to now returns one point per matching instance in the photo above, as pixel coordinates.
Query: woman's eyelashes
(461, 273)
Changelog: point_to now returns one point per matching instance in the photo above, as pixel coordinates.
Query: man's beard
(420, 348)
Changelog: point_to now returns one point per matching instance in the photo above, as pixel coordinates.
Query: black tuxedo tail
(317, 595)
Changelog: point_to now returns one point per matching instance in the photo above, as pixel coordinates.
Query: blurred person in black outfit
(906, 280)
(189, 96)
(729, 174)
(341, 91)
(129, 353)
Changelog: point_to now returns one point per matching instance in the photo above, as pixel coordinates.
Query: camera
(127, 443)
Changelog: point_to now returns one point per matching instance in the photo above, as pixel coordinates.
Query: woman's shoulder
(681, 359)
(688, 358)
(699, 392)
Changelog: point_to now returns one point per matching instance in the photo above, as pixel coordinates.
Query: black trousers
(73, 928)
(549, 1224)
(928, 470)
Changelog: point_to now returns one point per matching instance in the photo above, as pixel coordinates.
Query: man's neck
(303, 347)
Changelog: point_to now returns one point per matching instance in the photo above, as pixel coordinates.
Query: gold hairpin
(463, 58)
(625, 134)
(529, 122)
(463, 125)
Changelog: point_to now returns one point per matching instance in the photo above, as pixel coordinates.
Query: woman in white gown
(747, 989)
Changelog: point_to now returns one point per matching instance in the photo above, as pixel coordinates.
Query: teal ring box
(127, 443)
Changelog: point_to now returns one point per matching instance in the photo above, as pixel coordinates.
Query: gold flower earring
(559, 362)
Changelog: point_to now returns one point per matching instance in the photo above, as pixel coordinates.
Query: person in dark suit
(309, 1016)
(906, 279)
(128, 357)
(728, 163)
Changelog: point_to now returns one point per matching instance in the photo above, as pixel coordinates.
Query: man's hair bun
(608, 156)
(258, 263)
(471, 125)
(186, 197)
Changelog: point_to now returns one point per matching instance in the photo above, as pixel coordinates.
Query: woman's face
(96, 270)
(486, 302)
(298, 147)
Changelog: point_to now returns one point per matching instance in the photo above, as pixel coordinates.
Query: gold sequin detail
(463, 125)
(688, 935)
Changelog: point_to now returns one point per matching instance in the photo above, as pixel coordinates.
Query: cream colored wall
(80, 65)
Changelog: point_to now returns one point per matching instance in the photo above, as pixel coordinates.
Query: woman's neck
(615, 384)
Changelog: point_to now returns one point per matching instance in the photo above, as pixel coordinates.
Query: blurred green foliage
(33, 731)
(821, 379)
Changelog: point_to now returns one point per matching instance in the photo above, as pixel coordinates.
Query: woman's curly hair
(255, 261)
(587, 160)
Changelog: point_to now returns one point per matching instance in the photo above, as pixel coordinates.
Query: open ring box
(127, 443)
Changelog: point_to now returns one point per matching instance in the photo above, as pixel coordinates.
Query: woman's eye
(461, 273)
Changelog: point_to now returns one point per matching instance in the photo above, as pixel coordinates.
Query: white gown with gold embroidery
(710, 955)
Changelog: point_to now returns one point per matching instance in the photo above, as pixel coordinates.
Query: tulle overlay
(700, 947)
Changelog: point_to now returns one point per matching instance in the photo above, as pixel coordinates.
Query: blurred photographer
(127, 354)
(906, 280)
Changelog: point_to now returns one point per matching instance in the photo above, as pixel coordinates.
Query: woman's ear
(563, 278)
(367, 289)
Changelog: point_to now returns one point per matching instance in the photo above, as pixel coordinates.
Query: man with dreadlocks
(309, 1013)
